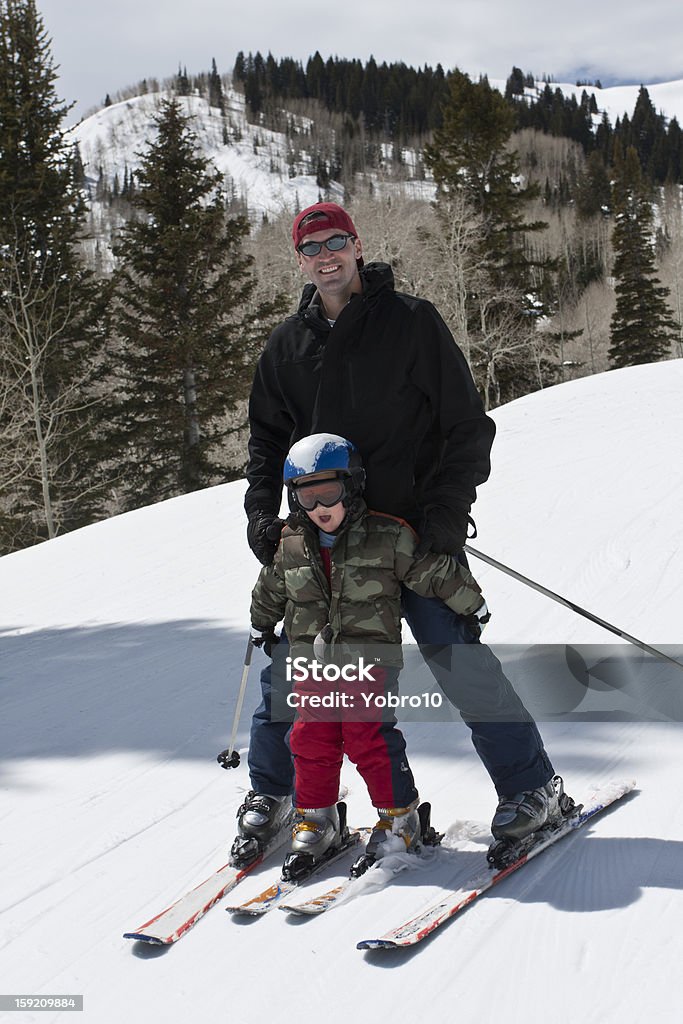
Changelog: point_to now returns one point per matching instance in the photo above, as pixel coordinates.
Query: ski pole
(230, 758)
(572, 606)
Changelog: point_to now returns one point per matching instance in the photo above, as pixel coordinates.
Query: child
(336, 580)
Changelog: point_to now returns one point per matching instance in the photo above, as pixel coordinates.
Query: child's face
(327, 519)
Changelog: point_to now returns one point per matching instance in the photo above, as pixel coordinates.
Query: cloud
(103, 48)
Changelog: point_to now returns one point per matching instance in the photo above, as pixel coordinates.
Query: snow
(254, 160)
(617, 100)
(120, 656)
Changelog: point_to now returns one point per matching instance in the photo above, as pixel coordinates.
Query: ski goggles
(324, 492)
(334, 244)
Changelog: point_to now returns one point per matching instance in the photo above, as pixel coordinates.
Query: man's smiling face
(335, 274)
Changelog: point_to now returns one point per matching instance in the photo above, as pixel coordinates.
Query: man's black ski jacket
(387, 376)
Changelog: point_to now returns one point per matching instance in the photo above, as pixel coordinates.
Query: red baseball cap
(320, 217)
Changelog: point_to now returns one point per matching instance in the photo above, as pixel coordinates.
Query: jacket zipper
(320, 576)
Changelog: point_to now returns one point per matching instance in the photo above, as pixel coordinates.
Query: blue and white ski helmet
(321, 453)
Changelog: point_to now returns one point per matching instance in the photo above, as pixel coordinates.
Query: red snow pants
(377, 747)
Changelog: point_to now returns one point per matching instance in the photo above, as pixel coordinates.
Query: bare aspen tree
(38, 412)
(500, 340)
(459, 272)
(672, 259)
(50, 307)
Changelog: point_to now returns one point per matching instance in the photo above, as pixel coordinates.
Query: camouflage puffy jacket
(360, 610)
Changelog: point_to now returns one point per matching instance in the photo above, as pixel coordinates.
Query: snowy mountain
(256, 162)
(252, 159)
(617, 100)
(120, 657)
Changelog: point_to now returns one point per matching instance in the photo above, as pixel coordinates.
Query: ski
(410, 932)
(177, 919)
(319, 904)
(259, 905)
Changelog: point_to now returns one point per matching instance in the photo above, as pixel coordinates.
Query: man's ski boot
(259, 819)
(411, 823)
(318, 833)
(519, 818)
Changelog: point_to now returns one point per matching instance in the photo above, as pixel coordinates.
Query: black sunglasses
(334, 244)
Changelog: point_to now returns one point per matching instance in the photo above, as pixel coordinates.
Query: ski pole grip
(230, 758)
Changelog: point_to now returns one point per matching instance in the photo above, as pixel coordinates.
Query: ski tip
(151, 940)
(615, 789)
(301, 909)
(377, 944)
(257, 911)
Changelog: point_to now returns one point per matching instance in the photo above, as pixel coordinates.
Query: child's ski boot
(411, 823)
(318, 834)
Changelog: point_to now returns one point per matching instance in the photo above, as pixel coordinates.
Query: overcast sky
(103, 47)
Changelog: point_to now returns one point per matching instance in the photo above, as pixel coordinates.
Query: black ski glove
(265, 638)
(477, 620)
(263, 535)
(442, 530)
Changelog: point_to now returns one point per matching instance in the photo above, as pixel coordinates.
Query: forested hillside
(406, 104)
(146, 252)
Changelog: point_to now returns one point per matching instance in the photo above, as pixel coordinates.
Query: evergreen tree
(471, 161)
(35, 175)
(645, 130)
(604, 136)
(515, 84)
(594, 192)
(216, 98)
(315, 76)
(642, 328)
(50, 315)
(187, 341)
(675, 148)
(253, 88)
(470, 153)
(182, 82)
(239, 71)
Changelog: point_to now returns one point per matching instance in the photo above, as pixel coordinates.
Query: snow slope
(120, 651)
(254, 161)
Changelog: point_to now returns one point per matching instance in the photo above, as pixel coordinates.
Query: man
(382, 369)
